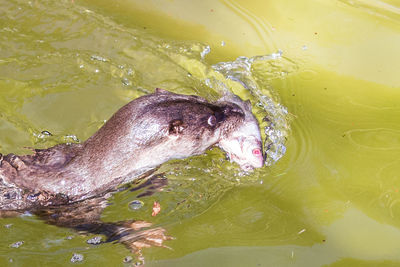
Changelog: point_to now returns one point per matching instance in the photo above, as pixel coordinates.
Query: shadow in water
(84, 217)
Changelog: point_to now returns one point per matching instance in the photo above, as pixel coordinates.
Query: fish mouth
(244, 164)
(247, 168)
(253, 165)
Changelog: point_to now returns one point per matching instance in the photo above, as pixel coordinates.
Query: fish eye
(256, 152)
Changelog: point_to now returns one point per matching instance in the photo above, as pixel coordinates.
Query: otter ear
(176, 127)
(162, 91)
(247, 105)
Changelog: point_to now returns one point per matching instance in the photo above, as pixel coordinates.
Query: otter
(140, 136)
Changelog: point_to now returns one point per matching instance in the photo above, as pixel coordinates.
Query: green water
(333, 199)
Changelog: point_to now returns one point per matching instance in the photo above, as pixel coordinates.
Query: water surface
(332, 199)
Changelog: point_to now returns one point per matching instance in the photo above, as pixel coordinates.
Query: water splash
(277, 128)
(243, 77)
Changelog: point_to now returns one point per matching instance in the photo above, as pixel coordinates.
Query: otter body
(143, 134)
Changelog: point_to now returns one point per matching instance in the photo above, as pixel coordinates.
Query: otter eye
(256, 152)
(212, 120)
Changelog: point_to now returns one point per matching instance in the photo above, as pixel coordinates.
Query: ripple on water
(388, 177)
(378, 8)
(301, 144)
(376, 138)
(308, 75)
(262, 27)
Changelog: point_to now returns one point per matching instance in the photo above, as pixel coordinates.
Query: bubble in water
(71, 137)
(17, 244)
(277, 54)
(94, 241)
(43, 134)
(76, 258)
(98, 58)
(128, 259)
(205, 51)
(46, 133)
(136, 204)
(126, 82)
(130, 72)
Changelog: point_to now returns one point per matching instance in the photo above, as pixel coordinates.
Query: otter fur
(143, 134)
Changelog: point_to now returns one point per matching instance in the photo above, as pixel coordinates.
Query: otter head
(243, 144)
(196, 126)
(170, 126)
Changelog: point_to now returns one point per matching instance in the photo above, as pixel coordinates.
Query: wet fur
(141, 135)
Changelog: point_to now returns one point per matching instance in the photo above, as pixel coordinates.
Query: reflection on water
(387, 9)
